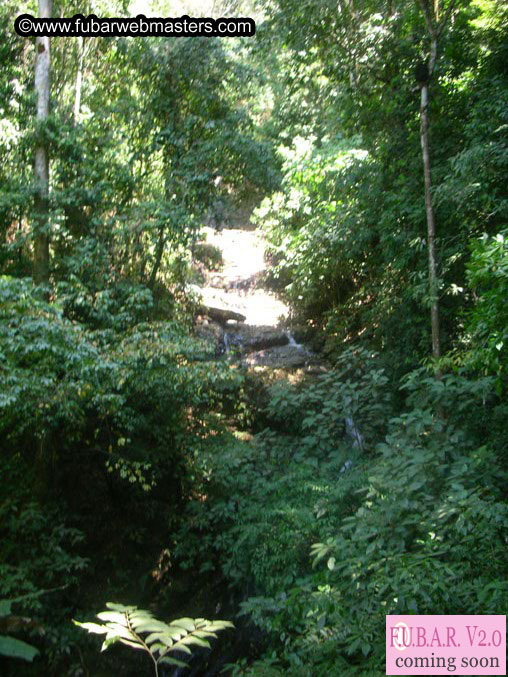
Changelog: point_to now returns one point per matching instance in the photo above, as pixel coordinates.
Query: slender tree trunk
(435, 26)
(79, 80)
(41, 205)
(431, 225)
(158, 257)
(41, 166)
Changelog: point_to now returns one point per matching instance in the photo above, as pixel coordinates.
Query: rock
(208, 330)
(281, 357)
(251, 338)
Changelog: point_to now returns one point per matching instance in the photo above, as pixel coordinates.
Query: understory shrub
(261, 505)
(326, 537)
(427, 535)
(487, 321)
(71, 393)
(109, 427)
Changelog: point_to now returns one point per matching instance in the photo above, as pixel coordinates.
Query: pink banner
(441, 645)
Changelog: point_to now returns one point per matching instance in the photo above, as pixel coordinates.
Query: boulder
(250, 338)
(281, 357)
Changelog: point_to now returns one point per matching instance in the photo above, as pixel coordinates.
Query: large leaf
(186, 623)
(191, 639)
(15, 648)
(131, 643)
(113, 616)
(152, 625)
(179, 646)
(173, 661)
(214, 626)
(204, 634)
(119, 607)
(92, 627)
(167, 637)
(121, 631)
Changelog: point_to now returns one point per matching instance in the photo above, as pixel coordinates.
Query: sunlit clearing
(244, 262)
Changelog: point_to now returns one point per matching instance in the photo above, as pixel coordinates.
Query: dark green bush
(413, 522)
(71, 392)
(427, 536)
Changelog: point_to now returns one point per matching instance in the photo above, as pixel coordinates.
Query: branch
(435, 30)
(433, 54)
(428, 18)
(446, 17)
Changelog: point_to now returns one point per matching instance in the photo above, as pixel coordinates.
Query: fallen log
(211, 305)
(221, 315)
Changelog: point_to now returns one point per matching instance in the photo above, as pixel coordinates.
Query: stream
(262, 339)
(262, 342)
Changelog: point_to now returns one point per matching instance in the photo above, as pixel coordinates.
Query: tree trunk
(41, 166)
(79, 80)
(435, 27)
(158, 258)
(431, 227)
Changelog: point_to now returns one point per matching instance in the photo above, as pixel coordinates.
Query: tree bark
(79, 80)
(158, 257)
(431, 224)
(431, 15)
(41, 166)
(221, 315)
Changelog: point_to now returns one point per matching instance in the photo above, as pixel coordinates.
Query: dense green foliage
(487, 321)
(394, 525)
(125, 410)
(136, 464)
(348, 226)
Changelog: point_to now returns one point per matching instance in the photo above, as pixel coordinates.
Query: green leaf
(160, 637)
(133, 644)
(158, 647)
(120, 607)
(112, 616)
(121, 631)
(192, 639)
(139, 616)
(92, 627)
(110, 639)
(219, 625)
(152, 625)
(15, 648)
(180, 646)
(186, 623)
(204, 634)
(173, 661)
